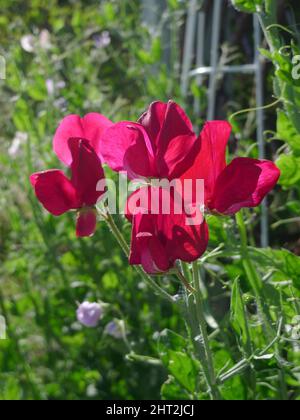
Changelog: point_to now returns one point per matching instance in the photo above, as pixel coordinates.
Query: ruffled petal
(126, 147)
(89, 128)
(171, 131)
(188, 243)
(146, 249)
(86, 223)
(244, 183)
(55, 191)
(87, 171)
(211, 160)
(162, 231)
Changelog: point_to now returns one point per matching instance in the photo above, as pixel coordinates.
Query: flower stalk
(212, 380)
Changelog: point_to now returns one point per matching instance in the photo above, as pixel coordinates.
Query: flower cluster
(162, 145)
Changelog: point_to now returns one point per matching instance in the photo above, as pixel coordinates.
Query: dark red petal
(153, 120)
(170, 233)
(127, 147)
(90, 128)
(86, 223)
(188, 243)
(212, 157)
(86, 172)
(55, 191)
(186, 233)
(146, 249)
(244, 183)
(177, 145)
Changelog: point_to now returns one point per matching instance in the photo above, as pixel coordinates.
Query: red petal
(146, 249)
(244, 183)
(188, 243)
(165, 237)
(171, 134)
(55, 191)
(153, 119)
(86, 223)
(127, 147)
(86, 172)
(89, 128)
(212, 157)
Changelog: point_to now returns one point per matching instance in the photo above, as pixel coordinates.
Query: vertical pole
(259, 86)
(200, 56)
(189, 43)
(216, 28)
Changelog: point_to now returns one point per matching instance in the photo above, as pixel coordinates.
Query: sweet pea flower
(161, 145)
(228, 188)
(159, 237)
(115, 329)
(76, 143)
(89, 314)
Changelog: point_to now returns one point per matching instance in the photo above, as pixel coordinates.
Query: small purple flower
(115, 329)
(89, 314)
(103, 40)
(50, 87)
(53, 87)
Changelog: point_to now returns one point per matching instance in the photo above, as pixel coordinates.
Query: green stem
(212, 380)
(254, 279)
(184, 281)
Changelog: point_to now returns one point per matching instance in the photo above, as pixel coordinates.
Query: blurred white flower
(60, 85)
(50, 87)
(92, 391)
(28, 43)
(45, 39)
(61, 104)
(103, 40)
(17, 142)
(89, 314)
(115, 329)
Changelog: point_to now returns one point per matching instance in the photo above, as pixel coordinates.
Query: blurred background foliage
(70, 56)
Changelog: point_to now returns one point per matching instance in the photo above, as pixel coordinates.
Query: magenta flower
(161, 144)
(76, 143)
(243, 183)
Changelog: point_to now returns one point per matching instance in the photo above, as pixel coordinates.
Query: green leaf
(248, 6)
(289, 166)
(173, 351)
(287, 132)
(171, 390)
(238, 315)
(266, 53)
(282, 260)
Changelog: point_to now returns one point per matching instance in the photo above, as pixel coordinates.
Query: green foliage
(173, 351)
(45, 270)
(289, 166)
(238, 314)
(248, 6)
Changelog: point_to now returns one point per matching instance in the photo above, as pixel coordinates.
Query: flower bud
(115, 329)
(89, 314)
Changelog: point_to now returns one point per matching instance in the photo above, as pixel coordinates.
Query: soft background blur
(64, 57)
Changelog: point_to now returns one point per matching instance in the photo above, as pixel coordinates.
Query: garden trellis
(194, 44)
